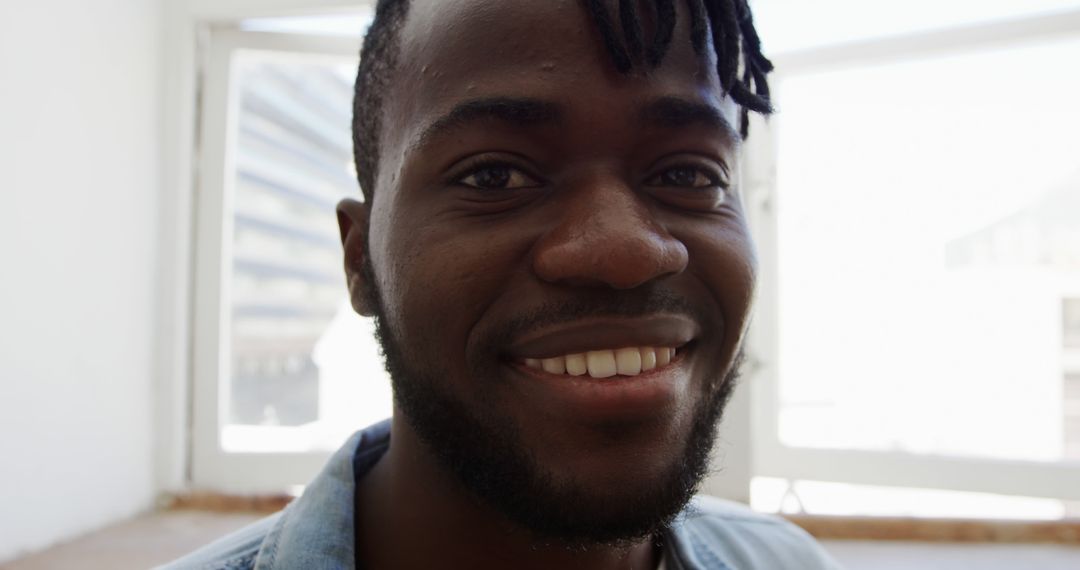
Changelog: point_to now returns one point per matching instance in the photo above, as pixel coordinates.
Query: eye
(688, 176)
(497, 177)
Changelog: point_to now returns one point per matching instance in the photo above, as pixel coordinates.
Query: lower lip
(605, 399)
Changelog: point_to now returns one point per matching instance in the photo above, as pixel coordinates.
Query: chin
(628, 490)
(609, 479)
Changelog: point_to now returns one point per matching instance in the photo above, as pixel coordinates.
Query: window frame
(211, 466)
(192, 272)
(772, 458)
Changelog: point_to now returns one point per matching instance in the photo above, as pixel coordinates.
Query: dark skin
(585, 182)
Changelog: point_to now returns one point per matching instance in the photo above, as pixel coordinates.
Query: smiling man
(553, 247)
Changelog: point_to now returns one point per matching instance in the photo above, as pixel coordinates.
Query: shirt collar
(317, 530)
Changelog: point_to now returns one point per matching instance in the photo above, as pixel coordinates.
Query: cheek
(439, 282)
(728, 266)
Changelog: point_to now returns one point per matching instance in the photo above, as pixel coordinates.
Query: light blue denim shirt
(315, 531)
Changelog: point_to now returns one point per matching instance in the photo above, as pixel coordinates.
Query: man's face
(534, 203)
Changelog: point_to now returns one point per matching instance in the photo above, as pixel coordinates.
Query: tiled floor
(160, 537)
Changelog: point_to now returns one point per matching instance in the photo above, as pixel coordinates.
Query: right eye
(497, 176)
(690, 176)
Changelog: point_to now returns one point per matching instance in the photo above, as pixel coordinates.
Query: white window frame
(189, 357)
(771, 457)
(211, 465)
(183, 462)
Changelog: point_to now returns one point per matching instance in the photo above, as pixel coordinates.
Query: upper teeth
(605, 363)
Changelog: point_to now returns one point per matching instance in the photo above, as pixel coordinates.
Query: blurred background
(173, 319)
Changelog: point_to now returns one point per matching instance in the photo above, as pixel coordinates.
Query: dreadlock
(740, 64)
(734, 38)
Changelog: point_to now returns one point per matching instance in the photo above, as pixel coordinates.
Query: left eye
(686, 177)
(497, 177)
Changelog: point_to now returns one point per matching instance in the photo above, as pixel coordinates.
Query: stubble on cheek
(447, 375)
(490, 453)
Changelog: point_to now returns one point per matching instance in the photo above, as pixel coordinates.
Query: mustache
(639, 302)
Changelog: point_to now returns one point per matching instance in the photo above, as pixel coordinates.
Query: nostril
(621, 260)
(606, 235)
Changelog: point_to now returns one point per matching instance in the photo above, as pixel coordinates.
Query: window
(915, 203)
(285, 369)
(920, 216)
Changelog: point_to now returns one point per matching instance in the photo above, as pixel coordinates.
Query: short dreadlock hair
(741, 66)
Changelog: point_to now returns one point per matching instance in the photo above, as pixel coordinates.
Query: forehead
(455, 50)
(507, 34)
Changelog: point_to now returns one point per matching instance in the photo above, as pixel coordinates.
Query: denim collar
(317, 530)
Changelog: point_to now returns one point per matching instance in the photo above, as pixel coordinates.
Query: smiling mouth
(629, 361)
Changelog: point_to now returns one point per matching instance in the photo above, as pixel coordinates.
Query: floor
(160, 537)
(141, 543)
(872, 555)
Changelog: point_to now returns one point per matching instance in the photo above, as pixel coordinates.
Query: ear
(352, 216)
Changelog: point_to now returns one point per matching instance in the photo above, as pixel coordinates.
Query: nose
(606, 236)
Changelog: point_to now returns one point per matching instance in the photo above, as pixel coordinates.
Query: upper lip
(573, 337)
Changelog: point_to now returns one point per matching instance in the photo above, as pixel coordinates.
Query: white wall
(79, 194)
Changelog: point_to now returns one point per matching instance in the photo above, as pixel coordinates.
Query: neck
(412, 513)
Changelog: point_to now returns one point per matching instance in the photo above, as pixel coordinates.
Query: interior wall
(79, 198)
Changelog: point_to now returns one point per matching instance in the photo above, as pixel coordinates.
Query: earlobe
(352, 218)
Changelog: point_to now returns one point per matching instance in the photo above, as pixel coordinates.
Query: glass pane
(788, 25)
(929, 254)
(305, 368)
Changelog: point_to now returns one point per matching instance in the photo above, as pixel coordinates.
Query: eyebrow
(676, 112)
(514, 112)
(664, 112)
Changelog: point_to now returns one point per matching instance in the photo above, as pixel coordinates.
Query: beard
(487, 454)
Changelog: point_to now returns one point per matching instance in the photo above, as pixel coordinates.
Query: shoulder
(314, 531)
(714, 533)
(236, 551)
